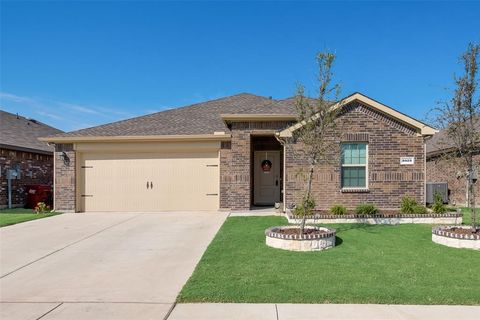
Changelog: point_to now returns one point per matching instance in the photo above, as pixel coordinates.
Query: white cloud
(15, 98)
(70, 116)
(50, 115)
(78, 108)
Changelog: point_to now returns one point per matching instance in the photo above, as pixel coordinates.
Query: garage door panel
(181, 181)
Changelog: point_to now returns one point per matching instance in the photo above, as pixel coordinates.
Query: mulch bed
(352, 212)
(297, 231)
(467, 231)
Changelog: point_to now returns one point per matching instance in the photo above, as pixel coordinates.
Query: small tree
(317, 131)
(460, 119)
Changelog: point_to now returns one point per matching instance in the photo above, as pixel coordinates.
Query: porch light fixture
(65, 158)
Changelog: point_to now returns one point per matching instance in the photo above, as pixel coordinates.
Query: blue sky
(74, 65)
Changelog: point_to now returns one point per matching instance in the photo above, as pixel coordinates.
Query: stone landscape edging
(443, 236)
(300, 242)
(447, 218)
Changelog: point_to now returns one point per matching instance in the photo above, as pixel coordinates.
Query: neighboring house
(225, 154)
(20, 150)
(443, 166)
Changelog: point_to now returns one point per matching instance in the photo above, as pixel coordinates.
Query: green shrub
(408, 205)
(419, 209)
(41, 208)
(306, 208)
(338, 210)
(366, 208)
(438, 207)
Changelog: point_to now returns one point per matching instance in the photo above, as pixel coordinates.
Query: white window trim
(356, 165)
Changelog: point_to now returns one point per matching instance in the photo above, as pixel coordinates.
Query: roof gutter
(25, 149)
(220, 136)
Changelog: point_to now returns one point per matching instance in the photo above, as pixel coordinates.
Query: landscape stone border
(300, 242)
(429, 218)
(443, 236)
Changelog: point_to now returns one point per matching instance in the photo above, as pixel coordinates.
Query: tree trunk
(471, 201)
(309, 191)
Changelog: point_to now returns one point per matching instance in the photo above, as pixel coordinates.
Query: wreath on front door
(266, 165)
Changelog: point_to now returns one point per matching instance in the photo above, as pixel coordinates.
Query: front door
(266, 177)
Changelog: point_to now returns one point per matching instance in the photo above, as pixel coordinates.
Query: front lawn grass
(467, 216)
(17, 215)
(371, 264)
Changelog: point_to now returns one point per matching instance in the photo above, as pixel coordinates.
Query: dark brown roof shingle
(200, 118)
(20, 132)
(440, 142)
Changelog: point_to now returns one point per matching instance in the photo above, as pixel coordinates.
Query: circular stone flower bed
(290, 238)
(456, 237)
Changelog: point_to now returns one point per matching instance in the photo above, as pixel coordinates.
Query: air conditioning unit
(437, 187)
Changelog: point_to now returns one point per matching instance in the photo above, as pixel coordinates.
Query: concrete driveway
(100, 265)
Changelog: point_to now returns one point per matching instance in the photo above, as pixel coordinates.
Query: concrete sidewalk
(214, 311)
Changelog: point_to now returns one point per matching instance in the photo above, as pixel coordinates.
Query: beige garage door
(150, 181)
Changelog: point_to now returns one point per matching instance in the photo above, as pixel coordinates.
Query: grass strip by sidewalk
(371, 264)
(18, 215)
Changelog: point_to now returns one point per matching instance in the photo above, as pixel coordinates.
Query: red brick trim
(444, 232)
(355, 216)
(357, 137)
(354, 190)
(273, 233)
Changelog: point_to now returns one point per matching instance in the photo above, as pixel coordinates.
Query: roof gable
(421, 127)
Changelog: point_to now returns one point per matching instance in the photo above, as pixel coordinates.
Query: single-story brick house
(227, 154)
(443, 167)
(20, 150)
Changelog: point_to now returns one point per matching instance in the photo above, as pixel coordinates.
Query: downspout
(284, 178)
(54, 182)
(9, 186)
(54, 174)
(282, 142)
(424, 171)
(425, 138)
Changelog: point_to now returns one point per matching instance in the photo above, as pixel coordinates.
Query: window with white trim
(354, 165)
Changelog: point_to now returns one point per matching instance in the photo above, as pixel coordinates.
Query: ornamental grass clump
(411, 206)
(366, 209)
(338, 210)
(438, 206)
(420, 210)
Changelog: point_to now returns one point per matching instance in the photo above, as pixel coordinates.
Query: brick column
(225, 174)
(65, 178)
(240, 171)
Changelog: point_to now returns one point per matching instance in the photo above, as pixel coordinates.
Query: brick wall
(235, 163)
(64, 178)
(34, 169)
(225, 174)
(388, 181)
(441, 169)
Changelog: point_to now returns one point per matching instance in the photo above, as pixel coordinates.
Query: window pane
(354, 173)
(354, 153)
(354, 177)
